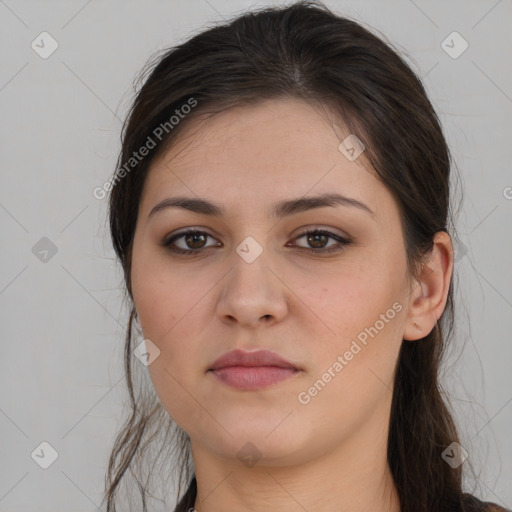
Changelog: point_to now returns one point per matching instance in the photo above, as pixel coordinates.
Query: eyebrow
(280, 210)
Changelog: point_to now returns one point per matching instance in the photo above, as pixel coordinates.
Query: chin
(268, 442)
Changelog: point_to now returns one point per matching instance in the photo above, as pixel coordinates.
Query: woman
(281, 213)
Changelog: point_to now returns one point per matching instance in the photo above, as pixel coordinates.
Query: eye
(318, 237)
(195, 241)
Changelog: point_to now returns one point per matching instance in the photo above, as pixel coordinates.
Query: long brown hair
(304, 51)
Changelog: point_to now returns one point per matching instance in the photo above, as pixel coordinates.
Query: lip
(239, 357)
(252, 370)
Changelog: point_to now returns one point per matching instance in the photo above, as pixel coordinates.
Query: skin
(328, 454)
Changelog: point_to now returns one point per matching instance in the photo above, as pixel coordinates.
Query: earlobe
(430, 292)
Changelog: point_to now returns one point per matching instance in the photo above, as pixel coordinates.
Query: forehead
(263, 153)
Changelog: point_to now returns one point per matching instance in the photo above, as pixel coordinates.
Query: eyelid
(326, 229)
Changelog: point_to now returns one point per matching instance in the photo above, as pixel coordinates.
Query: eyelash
(191, 252)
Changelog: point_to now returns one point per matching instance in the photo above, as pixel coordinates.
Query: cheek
(170, 308)
(352, 378)
(169, 312)
(344, 301)
(166, 303)
(163, 295)
(361, 316)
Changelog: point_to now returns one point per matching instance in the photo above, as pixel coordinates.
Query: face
(324, 286)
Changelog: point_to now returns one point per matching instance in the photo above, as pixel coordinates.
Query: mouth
(252, 370)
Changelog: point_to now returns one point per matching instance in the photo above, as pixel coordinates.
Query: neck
(355, 478)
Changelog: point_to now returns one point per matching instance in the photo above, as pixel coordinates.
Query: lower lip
(253, 377)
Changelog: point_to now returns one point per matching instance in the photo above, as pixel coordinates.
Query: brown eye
(317, 239)
(193, 242)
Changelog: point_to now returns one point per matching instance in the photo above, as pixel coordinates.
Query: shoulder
(473, 504)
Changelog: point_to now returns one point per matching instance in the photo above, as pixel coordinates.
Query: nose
(253, 294)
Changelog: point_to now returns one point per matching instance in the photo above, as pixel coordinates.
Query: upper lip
(239, 357)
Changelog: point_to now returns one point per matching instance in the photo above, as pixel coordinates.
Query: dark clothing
(472, 504)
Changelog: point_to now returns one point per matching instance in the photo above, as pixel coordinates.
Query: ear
(428, 296)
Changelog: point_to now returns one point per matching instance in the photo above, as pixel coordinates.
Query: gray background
(62, 316)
